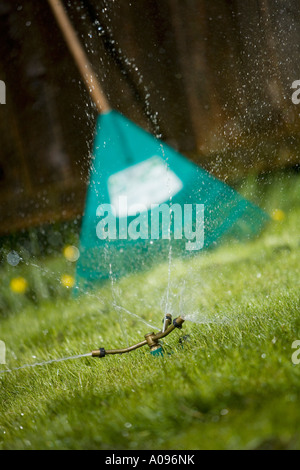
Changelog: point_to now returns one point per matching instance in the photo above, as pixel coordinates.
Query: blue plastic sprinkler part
(157, 351)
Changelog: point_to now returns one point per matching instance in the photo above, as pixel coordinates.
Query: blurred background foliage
(212, 79)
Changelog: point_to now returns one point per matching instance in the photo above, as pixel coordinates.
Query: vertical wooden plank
(190, 32)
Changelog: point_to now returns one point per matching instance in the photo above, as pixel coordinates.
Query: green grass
(232, 386)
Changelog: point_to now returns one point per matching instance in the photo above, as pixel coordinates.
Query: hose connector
(99, 353)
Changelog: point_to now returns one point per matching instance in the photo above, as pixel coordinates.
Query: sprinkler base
(158, 351)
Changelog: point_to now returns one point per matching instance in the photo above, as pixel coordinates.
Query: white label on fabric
(149, 182)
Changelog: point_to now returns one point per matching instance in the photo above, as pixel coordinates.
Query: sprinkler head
(167, 320)
(178, 322)
(157, 351)
(151, 339)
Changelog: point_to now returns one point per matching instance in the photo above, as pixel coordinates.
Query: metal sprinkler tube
(152, 339)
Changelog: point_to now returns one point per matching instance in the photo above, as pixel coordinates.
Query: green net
(144, 199)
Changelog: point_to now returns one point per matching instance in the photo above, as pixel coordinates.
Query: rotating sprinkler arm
(151, 339)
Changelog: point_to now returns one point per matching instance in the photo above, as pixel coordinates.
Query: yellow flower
(67, 281)
(71, 253)
(278, 215)
(19, 285)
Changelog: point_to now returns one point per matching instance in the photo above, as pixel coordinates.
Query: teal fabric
(121, 145)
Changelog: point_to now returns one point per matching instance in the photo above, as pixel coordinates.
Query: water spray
(151, 339)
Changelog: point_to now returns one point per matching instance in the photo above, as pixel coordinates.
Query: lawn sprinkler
(152, 339)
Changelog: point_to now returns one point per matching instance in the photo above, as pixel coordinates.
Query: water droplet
(13, 258)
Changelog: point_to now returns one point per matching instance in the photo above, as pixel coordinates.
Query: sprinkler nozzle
(152, 339)
(178, 322)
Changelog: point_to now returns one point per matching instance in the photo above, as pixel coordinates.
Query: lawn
(231, 384)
